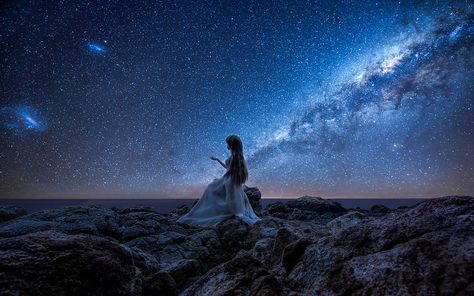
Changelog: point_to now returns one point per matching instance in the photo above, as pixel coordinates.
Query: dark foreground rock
(242, 275)
(309, 246)
(53, 263)
(427, 250)
(254, 195)
(11, 212)
(306, 208)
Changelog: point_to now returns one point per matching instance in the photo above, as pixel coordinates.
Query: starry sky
(125, 99)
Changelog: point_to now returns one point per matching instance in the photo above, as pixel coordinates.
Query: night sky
(332, 99)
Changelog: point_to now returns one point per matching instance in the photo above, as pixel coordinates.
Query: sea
(167, 205)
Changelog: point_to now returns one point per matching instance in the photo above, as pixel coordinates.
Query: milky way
(332, 99)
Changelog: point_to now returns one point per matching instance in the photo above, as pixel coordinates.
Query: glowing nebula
(96, 48)
(22, 119)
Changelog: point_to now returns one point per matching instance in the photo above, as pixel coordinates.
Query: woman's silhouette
(225, 196)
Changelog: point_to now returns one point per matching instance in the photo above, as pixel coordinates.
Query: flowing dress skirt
(221, 200)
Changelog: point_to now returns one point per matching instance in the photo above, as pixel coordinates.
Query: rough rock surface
(309, 246)
(306, 208)
(427, 250)
(53, 263)
(243, 275)
(254, 197)
(9, 212)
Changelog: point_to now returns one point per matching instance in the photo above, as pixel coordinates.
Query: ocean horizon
(165, 205)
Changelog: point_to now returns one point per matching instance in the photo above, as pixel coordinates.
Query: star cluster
(331, 98)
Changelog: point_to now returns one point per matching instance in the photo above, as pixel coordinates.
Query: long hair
(237, 167)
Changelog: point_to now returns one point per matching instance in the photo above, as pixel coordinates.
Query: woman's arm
(220, 161)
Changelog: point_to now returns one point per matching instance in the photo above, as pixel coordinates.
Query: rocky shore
(308, 246)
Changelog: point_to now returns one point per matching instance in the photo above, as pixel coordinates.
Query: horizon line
(194, 198)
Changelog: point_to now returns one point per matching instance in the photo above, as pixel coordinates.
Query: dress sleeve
(227, 161)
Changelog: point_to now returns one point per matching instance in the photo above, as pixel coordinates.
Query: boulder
(427, 250)
(178, 212)
(54, 263)
(262, 250)
(345, 220)
(379, 210)
(9, 212)
(233, 234)
(293, 252)
(91, 219)
(87, 250)
(306, 208)
(254, 195)
(242, 275)
(283, 238)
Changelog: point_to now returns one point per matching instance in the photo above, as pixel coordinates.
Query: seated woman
(224, 197)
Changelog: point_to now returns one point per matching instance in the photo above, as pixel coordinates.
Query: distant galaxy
(95, 48)
(332, 98)
(21, 119)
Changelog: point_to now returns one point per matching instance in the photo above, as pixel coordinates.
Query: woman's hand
(220, 161)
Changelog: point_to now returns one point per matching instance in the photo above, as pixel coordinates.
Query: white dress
(221, 200)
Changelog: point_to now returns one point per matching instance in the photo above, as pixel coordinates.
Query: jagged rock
(269, 226)
(306, 208)
(262, 250)
(283, 238)
(426, 250)
(233, 234)
(120, 224)
(160, 283)
(243, 275)
(9, 212)
(317, 208)
(178, 212)
(184, 272)
(277, 209)
(254, 195)
(54, 263)
(293, 252)
(138, 223)
(345, 220)
(92, 219)
(379, 210)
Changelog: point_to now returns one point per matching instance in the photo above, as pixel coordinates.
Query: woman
(225, 196)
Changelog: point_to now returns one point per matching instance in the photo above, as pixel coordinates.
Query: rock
(160, 283)
(254, 195)
(318, 249)
(277, 209)
(178, 212)
(53, 263)
(282, 239)
(315, 208)
(345, 220)
(186, 256)
(426, 250)
(243, 275)
(262, 250)
(269, 226)
(140, 223)
(306, 208)
(379, 210)
(122, 224)
(9, 212)
(233, 234)
(184, 272)
(92, 219)
(293, 252)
